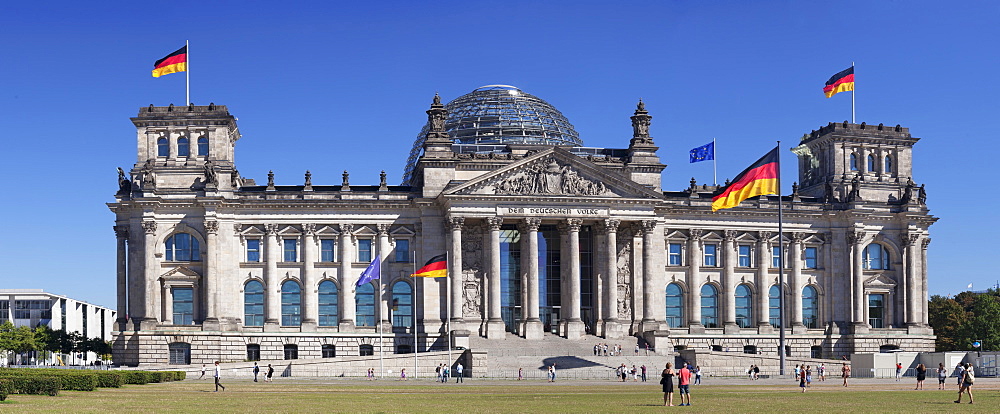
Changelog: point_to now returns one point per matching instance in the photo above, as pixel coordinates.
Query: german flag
(436, 267)
(172, 63)
(843, 81)
(758, 179)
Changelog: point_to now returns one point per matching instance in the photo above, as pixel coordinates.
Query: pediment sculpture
(549, 179)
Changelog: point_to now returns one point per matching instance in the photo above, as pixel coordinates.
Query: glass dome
(498, 115)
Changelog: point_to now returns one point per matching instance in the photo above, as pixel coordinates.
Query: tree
(948, 318)
(985, 324)
(6, 337)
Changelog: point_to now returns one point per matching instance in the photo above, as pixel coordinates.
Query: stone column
(455, 276)
(532, 324)
(495, 328)
(729, 256)
(147, 300)
(348, 309)
(612, 327)
(211, 277)
(923, 280)
(763, 282)
(310, 298)
(272, 280)
(166, 292)
(693, 282)
(912, 290)
(795, 254)
(859, 320)
(383, 297)
(574, 325)
(121, 234)
(650, 274)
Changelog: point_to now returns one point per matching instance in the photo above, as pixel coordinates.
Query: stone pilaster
(211, 276)
(383, 296)
(121, 235)
(148, 299)
(455, 270)
(310, 297)
(859, 319)
(612, 327)
(652, 270)
(728, 288)
(495, 328)
(763, 283)
(694, 282)
(574, 325)
(529, 231)
(348, 309)
(272, 280)
(795, 254)
(912, 290)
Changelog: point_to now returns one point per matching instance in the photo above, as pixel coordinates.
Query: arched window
(774, 305)
(871, 163)
(182, 247)
(291, 304)
(876, 257)
(328, 302)
(162, 147)
(203, 146)
(402, 305)
(854, 162)
(675, 306)
(744, 307)
(180, 353)
(709, 306)
(810, 307)
(253, 304)
(183, 147)
(365, 299)
(887, 165)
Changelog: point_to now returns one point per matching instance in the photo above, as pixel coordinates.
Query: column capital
(211, 227)
(856, 236)
(121, 231)
(764, 235)
(346, 228)
(494, 223)
(455, 222)
(271, 229)
(648, 226)
(237, 228)
(382, 229)
(149, 227)
(695, 234)
(909, 239)
(574, 224)
(797, 237)
(925, 242)
(730, 235)
(309, 229)
(530, 224)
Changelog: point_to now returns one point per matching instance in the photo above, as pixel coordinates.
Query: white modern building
(545, 236)
(35, 307)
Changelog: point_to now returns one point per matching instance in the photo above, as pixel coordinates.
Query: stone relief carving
(473, 304)
(472, 271)
(626, 234)
(549, 177)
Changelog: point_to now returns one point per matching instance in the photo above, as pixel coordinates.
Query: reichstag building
(545, 236)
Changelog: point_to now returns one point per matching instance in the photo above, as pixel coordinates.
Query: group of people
(753, 372)
(604, 349)
(624, 372)
(683, 384)
(804, 374)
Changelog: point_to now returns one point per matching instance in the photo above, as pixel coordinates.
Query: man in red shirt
(684, 381)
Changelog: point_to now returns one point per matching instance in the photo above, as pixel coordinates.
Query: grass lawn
(324, 395)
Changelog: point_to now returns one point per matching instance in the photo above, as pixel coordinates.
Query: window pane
(365, 297)
(253, 250)
(744, 256)
(291, 306)
(744, 308)
(876, 310)
(162, 148)
(327, 247)
(776, 256)
(675, 254)
(709, 307)
(710, 255)
(675, 306)
(402, 250)
(202, 146)
(810, 308)
(364, 250)
(328, 301)
(183, 304)
(183, 149)
(773, 306)
(290, 250)
(253, 304)
(402, 305)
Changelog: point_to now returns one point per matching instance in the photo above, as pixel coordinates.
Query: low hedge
(5, 388)
(110, 379)
(37, 385)
(136, 377)
(78, 381)
(155, 376)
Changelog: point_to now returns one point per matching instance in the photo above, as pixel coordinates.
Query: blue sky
(329, 86)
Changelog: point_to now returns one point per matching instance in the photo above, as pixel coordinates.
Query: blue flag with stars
(703, 153)
(372, 272)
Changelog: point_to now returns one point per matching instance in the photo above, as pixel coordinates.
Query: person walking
(269, 375)
(960, 373)
(551, 374)
(750, 372)
(202, 371)
(647, 348)
(520, 373)
(667, 380)
(218, 376)
(822, 372)
(256, 370)
(402, 374)
(968, 377)
(643, 370)
(756, 372)
(899, 371)
(809, 375)
(684, 384)
(802, 378)
(636, 349)
(921, 376)
(942, 374)
(437, 371)
(697, 375)
(845, 372)
(458, 373)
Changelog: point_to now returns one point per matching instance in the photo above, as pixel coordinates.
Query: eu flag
(371, 273)
(703, 153)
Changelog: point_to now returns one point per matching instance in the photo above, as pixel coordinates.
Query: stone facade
(617, 255)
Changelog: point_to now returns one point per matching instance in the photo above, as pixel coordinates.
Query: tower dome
(499, 115)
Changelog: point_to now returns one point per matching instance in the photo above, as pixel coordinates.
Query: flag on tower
(372, 272)
(436, 267)
(843, 81)
(172, 63)
(703, 153)
(758, 179)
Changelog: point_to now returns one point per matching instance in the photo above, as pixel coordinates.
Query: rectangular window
(711, 255)
(365, 250)
(291, 250)
(775, 256)
(253, 250)
(744, 256)
(876, 310)
(402, 250)
(183, 306)
(327, 250)
(674, 253)
(810, 258)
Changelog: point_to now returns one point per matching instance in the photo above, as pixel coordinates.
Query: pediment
(402, 232)
(365, 231)
(251, 231)
(676, 235)
(327, 231)
(180, 272)
(554, 172)
(880, 280)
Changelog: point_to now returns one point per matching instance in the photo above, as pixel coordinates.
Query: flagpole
(781, 274)
(416, 347)
(448, 300)
(381, 349)
(715, 175)
(187, 93)
(853, 121)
